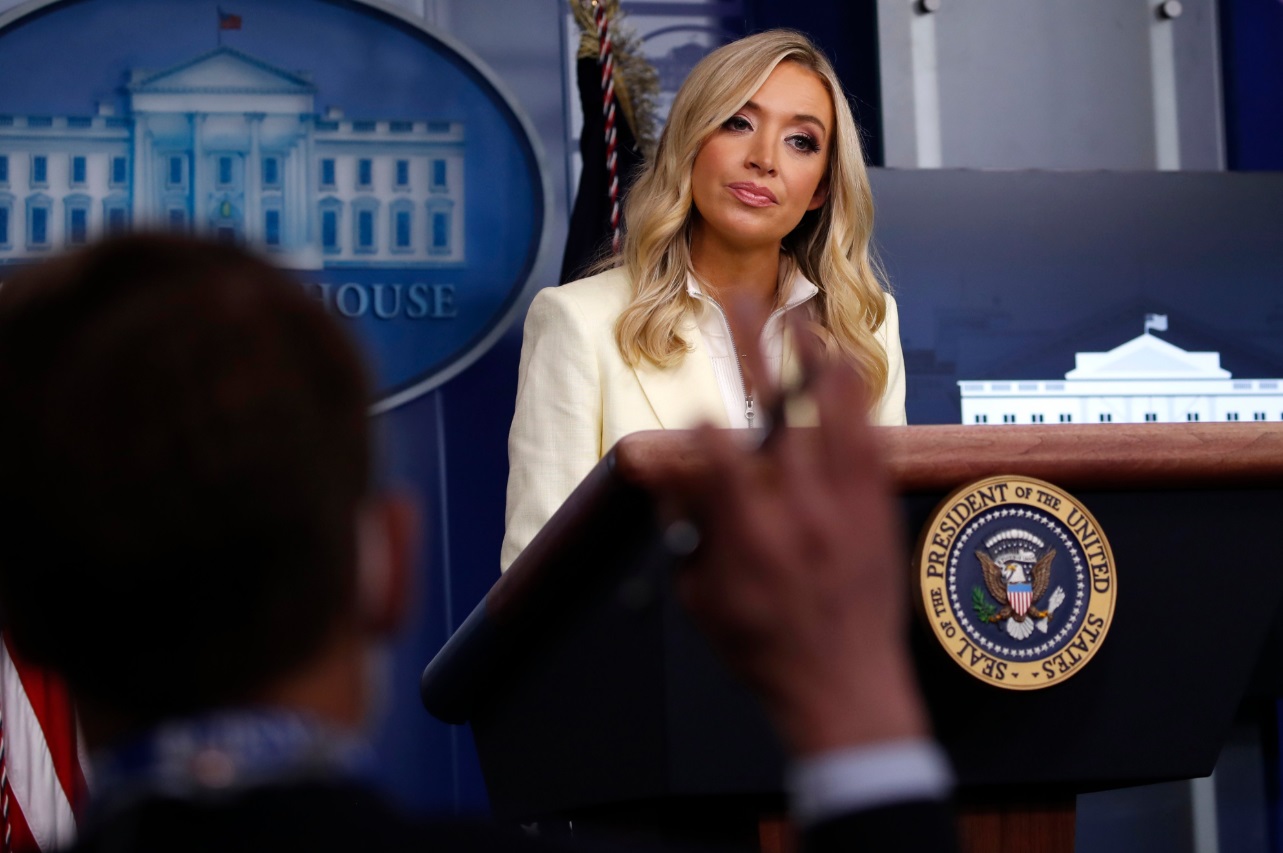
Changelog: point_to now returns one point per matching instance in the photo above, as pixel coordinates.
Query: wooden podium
(593, 698)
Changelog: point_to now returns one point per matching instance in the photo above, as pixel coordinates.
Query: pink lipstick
(752, 194)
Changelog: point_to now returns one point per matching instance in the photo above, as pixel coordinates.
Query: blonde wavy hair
(830, 245)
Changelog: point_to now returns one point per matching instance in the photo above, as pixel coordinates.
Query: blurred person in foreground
(193, 541)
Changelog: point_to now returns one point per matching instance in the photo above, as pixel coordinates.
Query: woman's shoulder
(893, 310)
(615, 283)
(605, 293)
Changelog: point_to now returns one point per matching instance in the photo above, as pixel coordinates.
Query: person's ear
(821, 194)
(387, 540)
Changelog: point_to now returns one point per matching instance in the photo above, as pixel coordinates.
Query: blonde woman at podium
(757, 194)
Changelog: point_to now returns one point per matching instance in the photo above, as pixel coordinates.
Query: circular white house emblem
(377, 159)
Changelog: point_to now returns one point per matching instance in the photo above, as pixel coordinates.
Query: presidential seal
(1017, 581)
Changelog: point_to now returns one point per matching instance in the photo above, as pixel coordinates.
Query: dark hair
(183, 448)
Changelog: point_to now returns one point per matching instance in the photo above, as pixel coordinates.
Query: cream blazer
(576, 396)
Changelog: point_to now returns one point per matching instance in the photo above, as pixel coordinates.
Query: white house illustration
(230, 146)
(1145, 380)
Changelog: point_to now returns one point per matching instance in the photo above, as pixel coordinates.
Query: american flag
(41, 778)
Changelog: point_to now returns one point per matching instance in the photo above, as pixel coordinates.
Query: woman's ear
(821, 194)
(387, 540)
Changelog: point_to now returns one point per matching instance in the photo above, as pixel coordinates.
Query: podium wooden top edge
(1099, 456)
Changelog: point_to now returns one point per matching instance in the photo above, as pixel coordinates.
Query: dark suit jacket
(317, 817)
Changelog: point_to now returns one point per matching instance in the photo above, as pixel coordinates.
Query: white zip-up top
(741, 409)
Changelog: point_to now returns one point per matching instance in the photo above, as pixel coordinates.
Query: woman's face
(766, 166)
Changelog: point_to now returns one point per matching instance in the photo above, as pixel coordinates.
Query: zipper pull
(748, 409)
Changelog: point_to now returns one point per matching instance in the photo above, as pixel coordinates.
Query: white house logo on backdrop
(1145, 380)
(232, 146)
(406, 193)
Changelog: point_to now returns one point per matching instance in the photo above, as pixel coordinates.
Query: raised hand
(800, 578)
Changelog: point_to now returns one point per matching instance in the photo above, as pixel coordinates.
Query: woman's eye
(804, 142)
(737, 123)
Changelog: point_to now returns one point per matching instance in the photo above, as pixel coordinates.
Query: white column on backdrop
(926, 85)
(1162, 63)
(1202, 794)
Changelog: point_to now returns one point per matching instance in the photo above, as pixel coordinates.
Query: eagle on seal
(1000, 578)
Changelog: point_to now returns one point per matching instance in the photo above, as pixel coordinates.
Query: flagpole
(227, 21)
